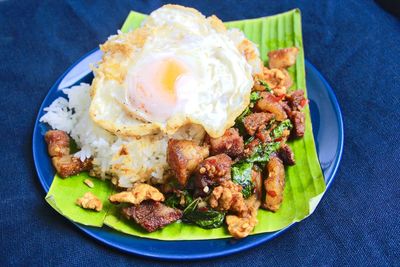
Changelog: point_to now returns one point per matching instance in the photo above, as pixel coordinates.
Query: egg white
(212, 90)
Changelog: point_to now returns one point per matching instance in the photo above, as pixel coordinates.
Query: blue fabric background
(355, 44)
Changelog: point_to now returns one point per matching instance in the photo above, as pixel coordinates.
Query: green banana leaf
(304, 181)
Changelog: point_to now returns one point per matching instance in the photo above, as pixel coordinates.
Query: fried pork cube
(255, 120)
(274, 184)
(298, 120)
(240, 226)
(138, 193)
(297, 100)
(263, 134)
(57, 143)
(212, 171)
(286, 107)
(278, 80)
(282, 58)
(64, 163)
(286, 155)
(228, 196)
(256, 177)
(152, 215)
(183, 156)
(231, 143)
(68, 165)
(90, 201)
(269, 103)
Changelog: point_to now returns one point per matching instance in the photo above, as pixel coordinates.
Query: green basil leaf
(241, 175)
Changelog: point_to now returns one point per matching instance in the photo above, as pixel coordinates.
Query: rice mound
(127, 160)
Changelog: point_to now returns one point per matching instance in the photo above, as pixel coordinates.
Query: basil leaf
(277, 132)
(206, 219)
(241, 175)
(267, 88)
(262, 153)
(239, 121)
(191, 207)
(254, 96)
(172, 201)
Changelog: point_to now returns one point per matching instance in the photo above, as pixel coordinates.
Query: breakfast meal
(186, 122)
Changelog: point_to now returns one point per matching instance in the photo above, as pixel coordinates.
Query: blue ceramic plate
(328, 134)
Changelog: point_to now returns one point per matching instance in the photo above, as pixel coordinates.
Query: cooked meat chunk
(297, 100)
(278, 80)
(217, 168)
(250, 147)
(138, 193)
(57, 143)
(183, 156)
(274, 184)
(228, 196)
(253, 121)
(298, 120)
(256, 177)
(68, 165)
(282, 58)
(286, 155)
(263, 134)
(212, 171)
(152, 215)
(286, 107)
(269, 103)
(90, 201)
(240, 226)
(64, 163)
(231, 143)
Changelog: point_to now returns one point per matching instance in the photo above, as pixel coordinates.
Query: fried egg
(178, 68)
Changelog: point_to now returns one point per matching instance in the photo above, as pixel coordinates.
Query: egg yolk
(170, 72)
(153, 89)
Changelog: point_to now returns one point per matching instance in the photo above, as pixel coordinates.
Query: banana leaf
(304, 182)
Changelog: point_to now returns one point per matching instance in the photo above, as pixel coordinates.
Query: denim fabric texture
(356, 46)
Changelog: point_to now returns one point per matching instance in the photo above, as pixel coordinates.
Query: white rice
(146, 158)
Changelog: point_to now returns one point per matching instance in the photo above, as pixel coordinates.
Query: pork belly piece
(286, 107)
(64, 163)
(274, 184)
(152, 215)
(282, 58)
(256, 177)
(183, 156)
(269, 103)
(57, 143)
(297, 100)
(255, 120)
(264, 134)
(298, 121)
(286, 155)
(231, 144)
(212, 171)
(68, 165)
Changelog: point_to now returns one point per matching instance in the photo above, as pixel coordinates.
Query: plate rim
(87, 229)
